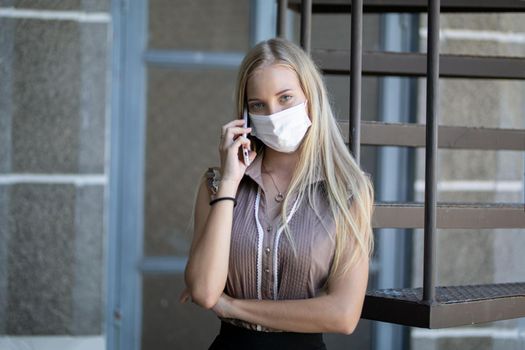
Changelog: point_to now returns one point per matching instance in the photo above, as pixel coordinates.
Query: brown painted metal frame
(450, 215)
(432, 121)
(356, 64)
(282, 5)
(453, 137)
(414, 64)
(428, 306)
(408, 6)
(306, 24)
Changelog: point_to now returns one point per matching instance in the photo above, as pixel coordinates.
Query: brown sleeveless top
(262, 263)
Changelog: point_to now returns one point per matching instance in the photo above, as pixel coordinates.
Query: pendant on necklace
(279, 198)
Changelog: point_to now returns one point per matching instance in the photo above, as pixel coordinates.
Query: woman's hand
(224, 307)
(232, 169)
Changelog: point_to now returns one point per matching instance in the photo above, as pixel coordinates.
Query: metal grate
(455, 294)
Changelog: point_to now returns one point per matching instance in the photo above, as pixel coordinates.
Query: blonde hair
(323, 154)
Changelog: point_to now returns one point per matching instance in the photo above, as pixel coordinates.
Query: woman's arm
(207, 268)
(338, 311)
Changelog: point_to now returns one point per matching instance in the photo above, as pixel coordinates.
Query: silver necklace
(279, 197)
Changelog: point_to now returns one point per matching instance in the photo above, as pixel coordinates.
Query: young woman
(282, 244)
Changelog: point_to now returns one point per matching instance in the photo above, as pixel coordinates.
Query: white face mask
(282, 131)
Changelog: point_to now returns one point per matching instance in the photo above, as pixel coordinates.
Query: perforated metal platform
(454, 305)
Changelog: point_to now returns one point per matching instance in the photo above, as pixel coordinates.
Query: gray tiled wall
(53, 97)
(84, 5)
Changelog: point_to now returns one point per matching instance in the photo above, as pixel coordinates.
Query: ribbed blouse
(262, 263)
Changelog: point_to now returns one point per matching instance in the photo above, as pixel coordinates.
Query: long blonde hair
(323, 154)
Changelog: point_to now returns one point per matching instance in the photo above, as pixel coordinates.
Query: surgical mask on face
(282, 131)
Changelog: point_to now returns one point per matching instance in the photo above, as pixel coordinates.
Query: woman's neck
(280, 164)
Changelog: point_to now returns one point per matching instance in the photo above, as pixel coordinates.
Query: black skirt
(233, 337)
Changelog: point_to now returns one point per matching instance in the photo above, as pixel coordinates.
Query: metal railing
(422, 309)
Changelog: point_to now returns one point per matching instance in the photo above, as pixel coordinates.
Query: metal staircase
(431, 306)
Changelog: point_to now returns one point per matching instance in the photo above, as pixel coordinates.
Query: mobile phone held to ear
(245, 152)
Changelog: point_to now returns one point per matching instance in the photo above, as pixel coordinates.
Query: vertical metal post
(306, 24)
(282, 5)
(126, 180)
(356, 48)
(430, 269)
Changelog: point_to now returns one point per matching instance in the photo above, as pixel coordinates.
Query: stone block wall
(54, 60)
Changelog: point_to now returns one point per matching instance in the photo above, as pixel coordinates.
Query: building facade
(110, 112)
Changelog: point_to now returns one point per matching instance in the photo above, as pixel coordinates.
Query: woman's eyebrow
(280, 92)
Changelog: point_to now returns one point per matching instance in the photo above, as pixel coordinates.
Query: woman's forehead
(274, 77)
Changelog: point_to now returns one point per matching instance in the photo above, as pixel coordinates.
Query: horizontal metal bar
(414, 64)
(344, 6)
(455, 137)
(163, 264)
(450, 215)
(193, 59)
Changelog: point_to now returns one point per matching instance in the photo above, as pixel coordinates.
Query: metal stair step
(454, 137)
(450, 215)
(333, 61)
(454, 305)
(371, 6)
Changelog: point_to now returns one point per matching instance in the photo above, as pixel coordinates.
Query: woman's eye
(286, 98)
(256, 106)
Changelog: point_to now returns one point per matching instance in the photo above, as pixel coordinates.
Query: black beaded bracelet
(223, 198)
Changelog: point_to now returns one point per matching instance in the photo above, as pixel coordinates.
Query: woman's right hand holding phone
(233, 168)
